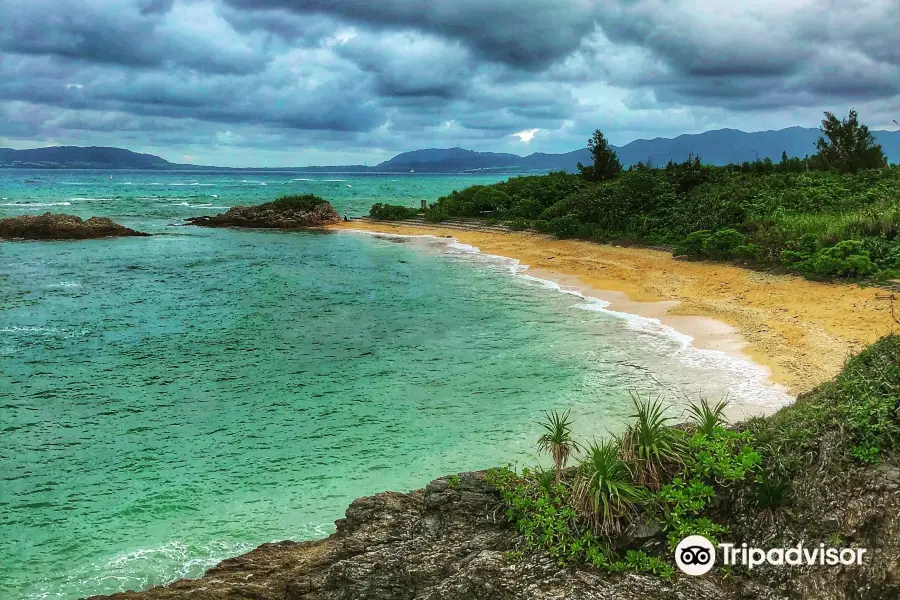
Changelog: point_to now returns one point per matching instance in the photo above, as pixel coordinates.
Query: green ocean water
(167, 402)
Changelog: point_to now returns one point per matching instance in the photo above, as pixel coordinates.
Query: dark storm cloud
(410, 73)
(529, 33)
(138, 34)
(766, 55)
(409, 64)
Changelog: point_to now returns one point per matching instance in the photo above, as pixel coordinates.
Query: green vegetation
(392, 212)
(304, 203)
(690, 479)
(829, 215)
(558, 440)
(605, 161)
(849, 146)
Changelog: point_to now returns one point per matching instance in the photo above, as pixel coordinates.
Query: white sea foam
(36, 204)
(47, 331)
(146, 567)
(303, 179)
(204, 205)
(64, 284)
(748, 382)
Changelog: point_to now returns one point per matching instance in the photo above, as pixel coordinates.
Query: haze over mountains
(716, 147)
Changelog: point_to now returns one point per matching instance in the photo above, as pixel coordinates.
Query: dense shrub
(848, 258)
(526, 208)
(392, 212)
(304, 203)
(565, 227)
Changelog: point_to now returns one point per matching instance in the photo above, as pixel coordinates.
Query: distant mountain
(76, 157)
(718, 147)
(723, 146)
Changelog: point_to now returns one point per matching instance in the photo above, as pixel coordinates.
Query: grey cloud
(142, 35)
(355, 75)
(530, 33)
(411, 64)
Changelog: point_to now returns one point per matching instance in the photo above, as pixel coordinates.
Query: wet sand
(802, 331)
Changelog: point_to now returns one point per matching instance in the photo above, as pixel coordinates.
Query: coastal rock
(292, 212)
(62, 227)
(450, 540)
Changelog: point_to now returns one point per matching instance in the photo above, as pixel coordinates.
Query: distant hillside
(448, 160)
(723, 146)
(718, 147)
(75, 157)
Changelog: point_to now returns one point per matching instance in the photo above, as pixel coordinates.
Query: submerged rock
(290, 212)
(450, 540)
(62, 227)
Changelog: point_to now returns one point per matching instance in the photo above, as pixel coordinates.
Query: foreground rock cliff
(449, 542)
(289, 212)
(62, 227)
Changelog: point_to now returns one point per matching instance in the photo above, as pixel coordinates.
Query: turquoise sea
(167, 402)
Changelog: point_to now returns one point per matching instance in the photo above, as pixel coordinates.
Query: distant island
(718, 147)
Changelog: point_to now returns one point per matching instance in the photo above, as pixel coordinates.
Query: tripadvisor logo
(696, 555)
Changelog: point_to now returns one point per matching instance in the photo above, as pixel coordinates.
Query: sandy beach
(802, 331)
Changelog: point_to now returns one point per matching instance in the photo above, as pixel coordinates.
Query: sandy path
(801, 330)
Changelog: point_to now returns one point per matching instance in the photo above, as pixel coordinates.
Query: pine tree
(606, 161)
(848, 146)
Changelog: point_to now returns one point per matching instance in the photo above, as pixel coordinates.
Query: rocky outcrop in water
(450, 540)
(290, 212)
(62, 227)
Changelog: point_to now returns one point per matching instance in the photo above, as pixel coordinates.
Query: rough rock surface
(264, 216)
(62, 227)
(448, 542)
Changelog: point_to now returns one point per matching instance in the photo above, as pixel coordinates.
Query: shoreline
(798, 330)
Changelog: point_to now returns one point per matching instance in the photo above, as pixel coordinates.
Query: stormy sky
(282, 82)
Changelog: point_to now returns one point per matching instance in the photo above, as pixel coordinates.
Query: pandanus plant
(604, 491)
(708, 417)
(557, 441)
(649, 444)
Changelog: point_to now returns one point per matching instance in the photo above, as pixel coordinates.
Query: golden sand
(802, 331)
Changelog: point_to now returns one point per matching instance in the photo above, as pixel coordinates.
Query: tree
(606, 162)
(848, 146)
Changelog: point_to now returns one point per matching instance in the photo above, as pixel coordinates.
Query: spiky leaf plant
(708, 417)
(650, 444)
(605, 493)
(557, 441)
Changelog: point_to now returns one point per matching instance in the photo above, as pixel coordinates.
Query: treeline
(829, 215)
